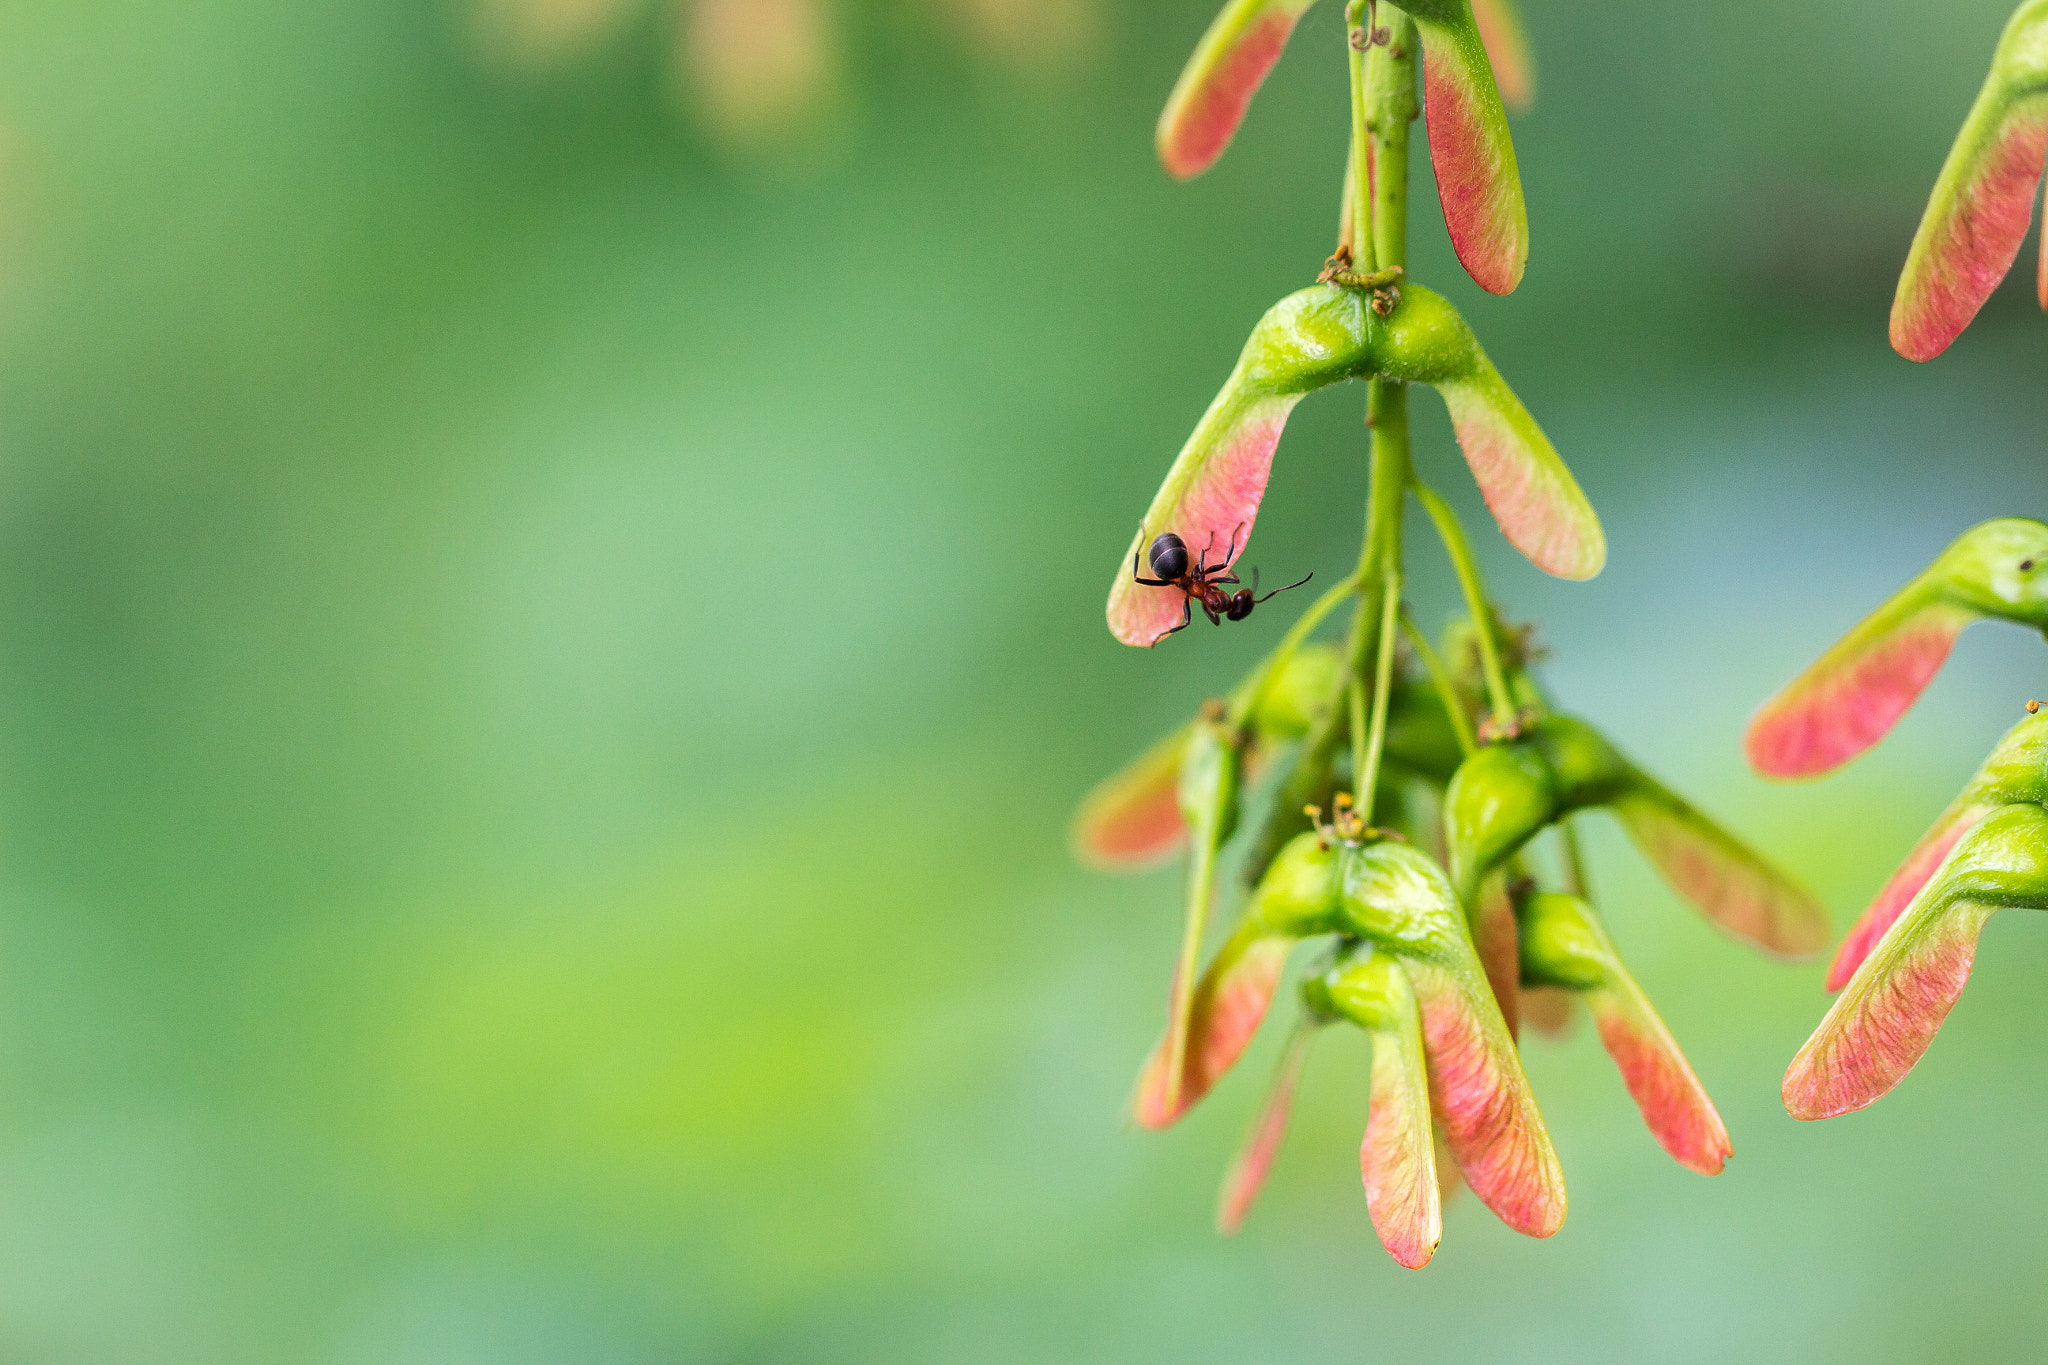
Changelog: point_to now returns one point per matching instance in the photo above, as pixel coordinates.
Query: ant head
(1169, 556)
(1240, 605)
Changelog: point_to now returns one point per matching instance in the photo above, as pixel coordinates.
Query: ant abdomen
(1169, 556)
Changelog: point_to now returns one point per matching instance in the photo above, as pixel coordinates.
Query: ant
(1202, 583)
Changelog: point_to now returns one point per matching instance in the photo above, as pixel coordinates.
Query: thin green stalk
(1393, 105)
(1384, 97)
(1358, 23)
(1446, 690)
(1452, 533)
(1201, 889)
(1360, 751)
(1384, 103)
(1368, 784)
(1574, 861)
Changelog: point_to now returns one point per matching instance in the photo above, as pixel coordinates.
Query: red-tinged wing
(1482, 1099)
(1721, 877)
(1884, 1020)
(1230, 1002)
(1398, 1156)
(1975, 220)
(1210, 498)
(1507, 45)
(1247, 1173)
(1217, 85)
(1898, 893)
(1527, 487)
(1132, 818)
(1399, 899)
(1673, 1102)
(2015, 772)
(1852, 695)
(1469, 147)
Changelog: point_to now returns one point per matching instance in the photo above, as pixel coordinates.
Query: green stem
(1367, 785)
(1574, 861)
(1358, 25)
(1360, 751)
(1201, 888)
(1384, 104)
(1393, 105)
(1446, 690)
(1384, 99)
(1452, 533)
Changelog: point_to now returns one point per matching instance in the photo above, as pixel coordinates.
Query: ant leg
(1277, 591)
(1233, 545)
(1187, 617)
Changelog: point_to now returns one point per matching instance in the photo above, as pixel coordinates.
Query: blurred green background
(550, 628)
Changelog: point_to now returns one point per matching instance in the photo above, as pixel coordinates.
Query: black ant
(1202, 583)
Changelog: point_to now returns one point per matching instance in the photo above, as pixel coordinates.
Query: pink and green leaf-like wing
(1397, 1159)
(1566, 945)
(1884, 1020)
(1977, 216)
(1723, 878)
(1132, 818)
(1227, 1007)
(1396, 897)
(1296, 898)
(1498, 940)
(1210, 497)
(1248, 1169)
(1673, 1103)
(2015, 771)
(1229, 1004)
(1852, 695)
(1919, 866)
(1507, 44)
(1528, 488)
(1216, 87)
(1469, 147)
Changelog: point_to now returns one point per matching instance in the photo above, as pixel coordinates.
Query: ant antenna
(1277, 591)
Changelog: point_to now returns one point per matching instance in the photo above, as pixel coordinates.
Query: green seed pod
(1506, 794)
